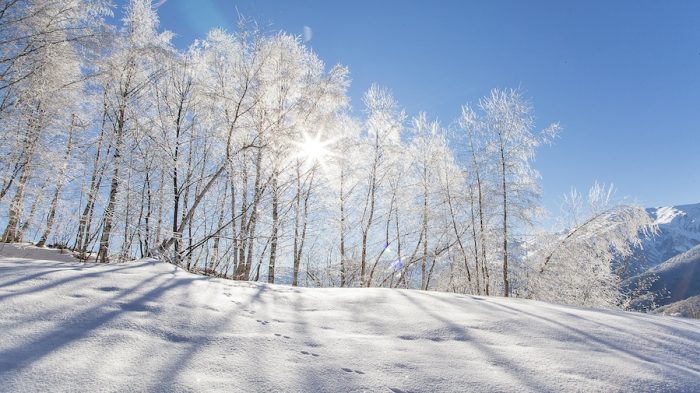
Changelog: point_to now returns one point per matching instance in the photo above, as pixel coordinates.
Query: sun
(313, 148)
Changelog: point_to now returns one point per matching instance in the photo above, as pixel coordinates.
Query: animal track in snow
(263, 322)
(349, 370)
(108, 289)
(310, 353)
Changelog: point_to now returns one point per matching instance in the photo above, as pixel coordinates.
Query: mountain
(674, 280)
(678, 232)
(150, 326)
(668, 263)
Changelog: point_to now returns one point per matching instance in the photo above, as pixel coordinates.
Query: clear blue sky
(622, 77)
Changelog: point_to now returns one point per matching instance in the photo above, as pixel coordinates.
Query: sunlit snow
(148, 325)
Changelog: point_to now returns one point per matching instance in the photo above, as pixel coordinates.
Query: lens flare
(313, 148)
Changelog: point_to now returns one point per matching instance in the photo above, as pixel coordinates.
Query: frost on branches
(577, 265)
(241, 157)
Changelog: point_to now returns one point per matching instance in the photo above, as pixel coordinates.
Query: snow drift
(149, 326)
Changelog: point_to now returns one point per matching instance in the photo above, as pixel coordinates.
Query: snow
(678, 232)
(149, 326)
(666, 214)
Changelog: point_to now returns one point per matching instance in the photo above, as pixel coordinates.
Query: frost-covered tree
(240, 157)
(575, 266)
(128, 72)
(42, 86)
(383, 127)
(508, 124)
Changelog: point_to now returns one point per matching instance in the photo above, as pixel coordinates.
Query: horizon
(624, 95)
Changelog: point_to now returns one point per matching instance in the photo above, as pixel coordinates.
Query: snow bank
(149, 326)
(30, 252)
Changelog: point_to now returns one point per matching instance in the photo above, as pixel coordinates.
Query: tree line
(241, 157)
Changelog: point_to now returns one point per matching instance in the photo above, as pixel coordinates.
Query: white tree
(384, 125)
(508, 124)
(129, 70)
(574, 266)
(42, 94)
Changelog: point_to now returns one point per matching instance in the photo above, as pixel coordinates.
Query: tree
(384, 125)
(45, 94)
(575, 266)
(130, 70)
(508, 123)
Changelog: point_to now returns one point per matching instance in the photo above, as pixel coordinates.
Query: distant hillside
(676, 279)
(688, 308)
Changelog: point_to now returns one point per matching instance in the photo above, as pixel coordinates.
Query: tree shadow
(523, 375)
(58, 282)
(77, 327)
(608, 344)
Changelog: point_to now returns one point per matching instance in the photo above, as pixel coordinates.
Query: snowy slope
(679, 231)
(148, 326)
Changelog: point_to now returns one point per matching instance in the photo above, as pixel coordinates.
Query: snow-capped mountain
(678, 232)
(669, 261)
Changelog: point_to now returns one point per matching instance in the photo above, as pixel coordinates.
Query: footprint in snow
(108, 289)
(397, 390)
(262, 321)
(349, 370)
(280, 335)
(310, 353)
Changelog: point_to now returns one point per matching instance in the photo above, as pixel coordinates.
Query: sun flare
(314, 148)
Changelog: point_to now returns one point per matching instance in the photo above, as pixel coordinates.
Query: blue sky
(622, 77)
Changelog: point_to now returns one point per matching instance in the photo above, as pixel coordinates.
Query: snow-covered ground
(149, 326)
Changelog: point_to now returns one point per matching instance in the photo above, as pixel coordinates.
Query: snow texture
(149, 326)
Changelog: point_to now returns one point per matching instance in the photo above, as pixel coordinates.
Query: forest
(242, 157)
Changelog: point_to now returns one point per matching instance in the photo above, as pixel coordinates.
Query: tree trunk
(16, 206)
(424, 259)
(343, 279)
(506, 284)
(103, 253)
(273, 235)
(59, 185)
(300, 238)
